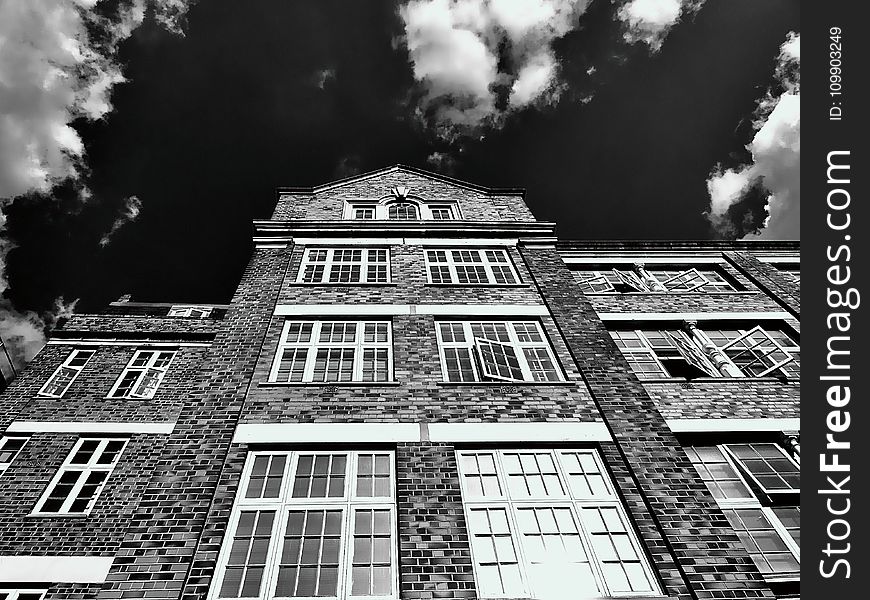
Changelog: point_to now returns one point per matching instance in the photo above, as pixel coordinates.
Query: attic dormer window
(403, 211)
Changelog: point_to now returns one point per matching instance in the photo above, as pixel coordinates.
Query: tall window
(758, 488)
(323, 351)
(63, 377)
(755, 352)
(545, 521)
(470, 266)
(78, 483)
(495, 351)
(406, 211)
(143, 374)
(624, 279)
(312, 524)
(10, 446)
(345, 265)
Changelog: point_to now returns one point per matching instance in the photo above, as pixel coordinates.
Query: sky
(139, 138)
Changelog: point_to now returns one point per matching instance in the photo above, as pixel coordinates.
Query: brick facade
(165, 514)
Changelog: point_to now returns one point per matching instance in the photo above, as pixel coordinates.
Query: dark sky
(207, 126)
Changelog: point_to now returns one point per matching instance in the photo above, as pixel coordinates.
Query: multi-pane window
(345, 265)
(312, 524)
(324, 351)
(406, 211)
(76, 486)
(441, 212)
(495, 351)
(143, 374)
(10, 446)
(192, 312)
(758, 488)
(666, 279)
(545, 521)
(364, 212)
(470, 266)
(756, 352)
(21, 594)
(63, 377)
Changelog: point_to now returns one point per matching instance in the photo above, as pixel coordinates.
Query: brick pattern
(782, 288)
(475, 204)
(72, 591)
(434, 551)
(157, 552)
(708, 553)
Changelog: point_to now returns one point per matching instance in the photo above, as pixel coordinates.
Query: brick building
(418, 391)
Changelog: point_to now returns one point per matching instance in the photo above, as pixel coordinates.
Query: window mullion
(76, 488)
(782, 532)
(519, 549)
(487, 266)
(518, 350)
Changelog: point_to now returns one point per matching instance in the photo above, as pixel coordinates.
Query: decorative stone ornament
(400, 192)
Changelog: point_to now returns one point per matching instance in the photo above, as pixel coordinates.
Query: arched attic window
(403, 211)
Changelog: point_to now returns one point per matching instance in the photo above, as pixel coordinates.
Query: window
(143, 374)
(63, 377)
(625, 279)
(441, 212)
(193, 312)
(323, 351)
(75, 488)
(545, 521)
(364, 212)
(755, 352)
(757, 486)
(406, 211)
(470, 267)
(312, 524)
(495, 351)
(21, 594)
(345, 265)
(10, 446)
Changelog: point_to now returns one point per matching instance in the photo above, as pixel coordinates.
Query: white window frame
(380, 209)
(754, 503)
(16, 593)
(284, 503)
(331, 263)
(481, 259)
(190, 311)
(160, 373)
(65, 365)
(92, 466)
(312, 346)
(518, 346)
(567, 499)
(4, 441)
(626, 276)
(760, 331)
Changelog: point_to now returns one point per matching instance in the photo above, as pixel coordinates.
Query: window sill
(696, 294)
(479, 285)
(567, 383)
(310, 384)
(719, 380)
(341, 284)
(40, 515)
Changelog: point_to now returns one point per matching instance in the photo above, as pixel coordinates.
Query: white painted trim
(402, 241)
(606, 257)
(737, 425)
(268, 246)
(89, 427)
(705, 316)
(306, 433)
(55, 569)
(513, 432)
(277, 433)
(138, 343)
(492, 310)
(773, 258)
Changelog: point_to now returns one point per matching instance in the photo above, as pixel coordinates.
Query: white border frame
(330, 262)
(65, 364)
(482, 260)
(142, 371)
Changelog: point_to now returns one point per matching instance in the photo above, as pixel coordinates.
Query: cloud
(475, 60)
(775, 165)
(129, 213)
(649, 21)
(58, 63)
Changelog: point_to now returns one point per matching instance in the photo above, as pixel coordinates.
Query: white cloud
(775, 165)
(53, 71)
(649, 21)
(129, 213)
(454, 47)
